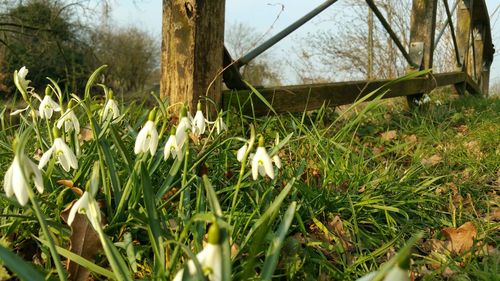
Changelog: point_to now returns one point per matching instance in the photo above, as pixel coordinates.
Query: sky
(269, 17)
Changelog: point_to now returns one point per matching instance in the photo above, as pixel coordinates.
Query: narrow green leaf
(81, 261)
(23, 269)
(273, 252)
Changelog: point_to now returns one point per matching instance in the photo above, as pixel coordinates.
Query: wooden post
(192, 51)
(464, 21)
(422, 29)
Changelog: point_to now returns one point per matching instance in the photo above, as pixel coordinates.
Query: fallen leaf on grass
(389, 135)
(462, 238)
(431, 161)
(86, 134)
(411, 138)
(84, 242)
(495, 214)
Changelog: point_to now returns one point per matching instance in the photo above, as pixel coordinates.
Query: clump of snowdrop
(48, 105)
(19, 177)
(69, 120)
(199, 122)
(111, 110)
(147, 139)
(171, 147)
(424, 100)
(61, 152)
(210, 259)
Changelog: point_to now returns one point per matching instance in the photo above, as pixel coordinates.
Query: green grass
(344, 202)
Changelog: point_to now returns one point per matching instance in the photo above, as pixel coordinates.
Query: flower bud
(214, 235)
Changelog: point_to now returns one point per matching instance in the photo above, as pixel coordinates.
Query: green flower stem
(57, 261)
(185, 192)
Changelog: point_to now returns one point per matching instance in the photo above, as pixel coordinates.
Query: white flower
(18, 178)
(70, 121)
(21, 76)
(277, 161)
(395, 274)
(210, 258)
(262, 163)
(111, 110)
(47, 107)
(438, 103)
(181, 134)
(220, 125)
(63, 154)
(199, 123)
(426, 99)
(171, 147)
(241, 152)
(147, 139)
(86, 205)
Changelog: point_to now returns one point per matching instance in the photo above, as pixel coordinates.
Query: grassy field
(354, 185)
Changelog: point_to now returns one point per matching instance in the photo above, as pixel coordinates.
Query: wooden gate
(194, 59)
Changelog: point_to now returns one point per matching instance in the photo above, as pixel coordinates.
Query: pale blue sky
(261, 14)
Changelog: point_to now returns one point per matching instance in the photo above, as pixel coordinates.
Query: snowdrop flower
(199, 122)
(20, 79)
(19, 176)
(61, 151)
(261, 162)
(69, 120)
(395, 274)
(48, 106)
(426, 98)
(438, 103)
(277, 161)
(398, 272)
(220, 125)
(86, 205)
(210, 258)
(241, 152)
(111, 110)
(147, 139)
(171, 147)
(181, 134)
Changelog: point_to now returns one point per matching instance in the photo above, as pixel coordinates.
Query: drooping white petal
(47, 107)
(199, 123)
(171, 146)
(36, 176)
(277, 161)
(261, 158)
(45, 158)
(210, 259)
(7, 182)
(81, 203)
(70, 121)
(220, 125)
(181, 131)
(111, 111)
(397, 274)
(19, 184)
(147, 139)
(241, 152)
(64, 152)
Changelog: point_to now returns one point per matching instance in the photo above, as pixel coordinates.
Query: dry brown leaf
(431, 161)
(462, 238)
(86, 134)
(389, 135)
(495, 214)
(378, 149)
(84, 241)
(411, 138)
(474, 149)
